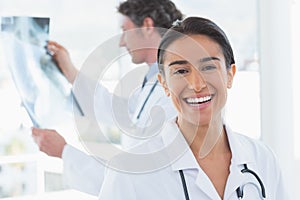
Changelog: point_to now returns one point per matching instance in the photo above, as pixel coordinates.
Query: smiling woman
(206, 75)
(196, 68)
(196, 82)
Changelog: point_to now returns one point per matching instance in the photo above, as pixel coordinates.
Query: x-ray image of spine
(45, 92)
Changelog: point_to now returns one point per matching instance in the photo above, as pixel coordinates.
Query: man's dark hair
(162, 12)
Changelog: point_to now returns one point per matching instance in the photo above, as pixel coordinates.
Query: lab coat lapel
(187, 161)
(240, 156)
(235, 179)
(204, 184)
(238, 179)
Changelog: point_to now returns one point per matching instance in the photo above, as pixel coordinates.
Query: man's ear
(148, 25)
(162, 81)
(230, 75)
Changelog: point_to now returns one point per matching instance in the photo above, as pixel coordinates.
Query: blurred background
(262, 103)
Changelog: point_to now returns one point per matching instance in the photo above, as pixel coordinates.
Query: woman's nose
(196, 81)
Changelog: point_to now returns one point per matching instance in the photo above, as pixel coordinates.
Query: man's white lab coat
(85, 173)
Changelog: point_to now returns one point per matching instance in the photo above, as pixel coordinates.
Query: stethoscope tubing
(239, 190)
(185, 190)
(147, 98)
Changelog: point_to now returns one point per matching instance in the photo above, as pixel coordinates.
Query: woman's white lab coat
(165, 183)
(85, 173)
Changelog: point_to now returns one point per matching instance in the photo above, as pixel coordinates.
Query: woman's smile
(198, 102)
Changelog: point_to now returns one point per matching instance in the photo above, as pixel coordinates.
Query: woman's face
(196, 78)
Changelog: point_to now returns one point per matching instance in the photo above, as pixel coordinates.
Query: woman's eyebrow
(178, 62)
(183, 62)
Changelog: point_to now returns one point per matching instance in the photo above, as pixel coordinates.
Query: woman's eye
(208, 68)
(181, 71)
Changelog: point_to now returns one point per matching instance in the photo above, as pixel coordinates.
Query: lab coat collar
(241, 153)
(188, 161)
(185, 159)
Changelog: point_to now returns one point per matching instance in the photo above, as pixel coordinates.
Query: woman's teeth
(198, 100)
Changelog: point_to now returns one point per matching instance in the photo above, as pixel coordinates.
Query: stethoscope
(147, 98)
(239, 190)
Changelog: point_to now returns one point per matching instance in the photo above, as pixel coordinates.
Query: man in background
(139, 19)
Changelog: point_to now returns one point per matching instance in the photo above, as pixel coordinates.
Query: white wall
(276, 83)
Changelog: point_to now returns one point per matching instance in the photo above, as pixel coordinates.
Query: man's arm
(62, 58)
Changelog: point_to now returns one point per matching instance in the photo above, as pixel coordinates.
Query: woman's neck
(206, 141)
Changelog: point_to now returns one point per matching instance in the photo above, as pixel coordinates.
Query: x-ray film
(44, 91)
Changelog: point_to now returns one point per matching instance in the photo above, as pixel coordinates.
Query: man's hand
(49, 141)
(61, 56)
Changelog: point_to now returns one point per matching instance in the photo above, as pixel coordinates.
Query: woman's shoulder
(253, 147)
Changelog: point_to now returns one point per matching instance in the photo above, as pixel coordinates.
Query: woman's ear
(230, 75)
(162, 81)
